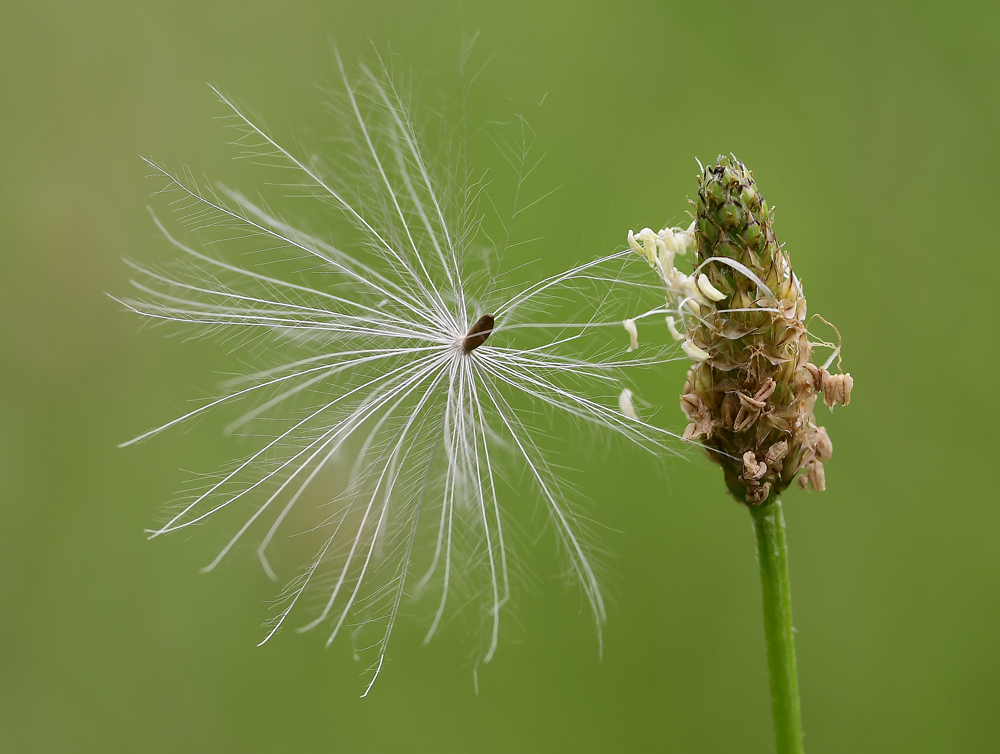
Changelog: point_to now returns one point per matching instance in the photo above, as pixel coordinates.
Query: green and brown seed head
(750, 402)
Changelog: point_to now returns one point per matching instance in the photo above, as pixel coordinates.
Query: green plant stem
(772, 553)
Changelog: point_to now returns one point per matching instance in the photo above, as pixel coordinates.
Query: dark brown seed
(478, 333)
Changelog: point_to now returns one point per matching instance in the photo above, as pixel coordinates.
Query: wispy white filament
(383, 443)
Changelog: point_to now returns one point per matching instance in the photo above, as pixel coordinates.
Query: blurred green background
(873, 127)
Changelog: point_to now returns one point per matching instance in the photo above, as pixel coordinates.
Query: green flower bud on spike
(751, 389)
(757, 388)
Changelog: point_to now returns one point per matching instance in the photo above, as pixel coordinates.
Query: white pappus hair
(387, 435)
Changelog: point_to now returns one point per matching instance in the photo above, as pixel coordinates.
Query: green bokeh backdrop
(873, 127)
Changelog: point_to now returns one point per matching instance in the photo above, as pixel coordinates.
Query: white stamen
(633, 334)
(672, 327)
(648, 248)
(626, 405)
(710, 291)
(693, 291)
(635, 244)
(694, 352)
(649, 239)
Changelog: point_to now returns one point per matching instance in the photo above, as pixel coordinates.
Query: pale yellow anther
(680, 286)
(648, 239)
(647, 249)
(695, 353)
(672, 327)
(693, 291)
(635, 244)
(676, 240)
(689, 237)
(684, 239)
(675, 280)
(710, 291)
(665, 254)
(625, 404)
(668, 238)
(633, 334)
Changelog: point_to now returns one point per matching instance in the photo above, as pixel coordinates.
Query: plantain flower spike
(751, 389)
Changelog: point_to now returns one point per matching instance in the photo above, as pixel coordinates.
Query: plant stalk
(772, 554)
